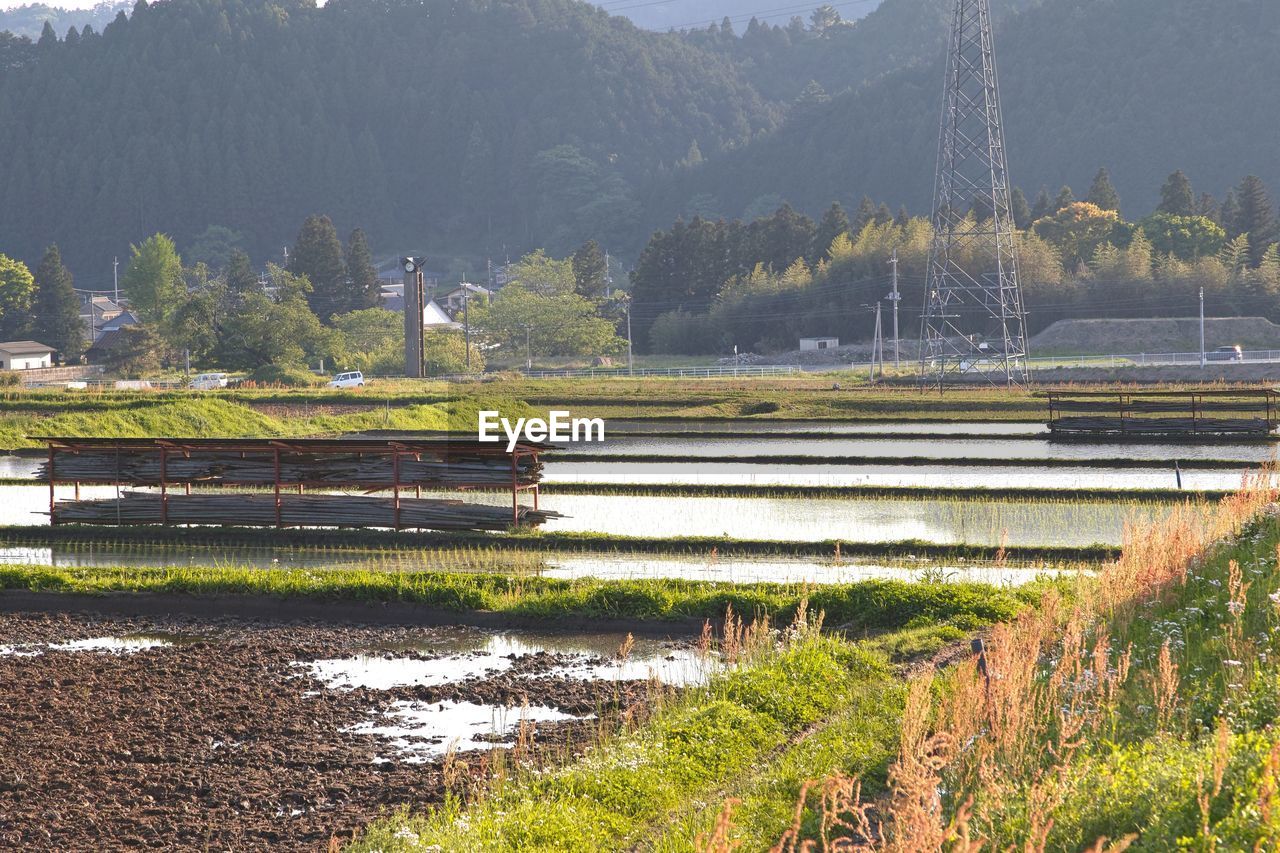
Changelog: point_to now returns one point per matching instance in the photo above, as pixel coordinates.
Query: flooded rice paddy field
(233, 734)
(946, 522)
(968, 447)
(693, 472)
(922, 426)
(626, 566)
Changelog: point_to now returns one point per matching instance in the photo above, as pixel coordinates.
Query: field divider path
(914, 461)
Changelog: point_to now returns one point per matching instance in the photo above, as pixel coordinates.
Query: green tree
(1102, 193)
(281, 330)
(57, 308)
(1019, 209)
(543, 275)
(444, 352)
(1078, 230)
(1043, 206)
(362, 277)
(1064, 199)
(590, 271)
(153, 280)
(553, 324)
(1176, 196)
(372, 339)
(214, 246)
(136, 351)
(1255, 217)
(1184, 237)
(241, 278)
(834, 223)
(17, 290)
(317, 254)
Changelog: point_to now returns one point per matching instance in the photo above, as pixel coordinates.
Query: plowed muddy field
(189, 734)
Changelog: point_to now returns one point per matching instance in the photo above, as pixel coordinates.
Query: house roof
(434, 315)
(25, 348)
(124, 318)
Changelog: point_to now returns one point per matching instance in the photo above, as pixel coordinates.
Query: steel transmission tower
(973, 315)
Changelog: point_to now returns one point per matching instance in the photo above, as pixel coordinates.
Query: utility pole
(466, 322)
(115, 280)
(631, 366)
(877, 347)
(895, 297)
(528, 353)
(286, 257)
(1202, 360)
(608, 277)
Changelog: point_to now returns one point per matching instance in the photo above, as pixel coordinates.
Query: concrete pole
(1202, 359)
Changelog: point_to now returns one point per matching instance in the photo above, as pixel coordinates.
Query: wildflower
(1232, 663)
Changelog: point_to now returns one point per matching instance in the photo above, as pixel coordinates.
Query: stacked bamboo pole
(261, 510)
(143, 468)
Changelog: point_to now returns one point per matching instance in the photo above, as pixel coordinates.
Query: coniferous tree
(1207, 206)
(1065, 197)
(834, 223)
(1102, 193)
(1176, 197)
(1043, 206)
(1255, 217)
(363, 287)
(590, 271)
(240, 276)
(866, 213)
(903, 217)
(57, 320)
(1227, 215)
(1019, 210)
(318, 255)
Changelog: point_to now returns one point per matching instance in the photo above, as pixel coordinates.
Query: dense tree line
(706, 286)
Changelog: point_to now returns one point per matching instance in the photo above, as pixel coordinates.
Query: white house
(453, 299)
(807, 344)
(25, 355)
(435, 317)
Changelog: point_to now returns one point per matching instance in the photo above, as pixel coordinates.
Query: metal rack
(444, 451)
(1194, 415)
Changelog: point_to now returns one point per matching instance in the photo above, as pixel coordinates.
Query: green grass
(568, 542)
(626, 792)
(867, 606)
(1137, 775)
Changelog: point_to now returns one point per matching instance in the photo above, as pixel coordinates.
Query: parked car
(1225, 354)
(350, 379)
(209, 381)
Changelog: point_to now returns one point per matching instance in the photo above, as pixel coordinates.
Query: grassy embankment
(875, 605)
(1144, 713)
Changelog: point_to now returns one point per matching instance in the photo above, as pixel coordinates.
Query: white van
(209, 381)
(350, 379)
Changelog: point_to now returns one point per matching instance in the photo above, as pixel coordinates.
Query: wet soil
(220, 741)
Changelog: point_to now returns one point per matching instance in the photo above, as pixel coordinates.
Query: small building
(96, 313)
(25, 355)
(115, 324)
(435, 317)
(809, 344)
(453, 300)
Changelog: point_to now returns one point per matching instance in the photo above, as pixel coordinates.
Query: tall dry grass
(1009, 724)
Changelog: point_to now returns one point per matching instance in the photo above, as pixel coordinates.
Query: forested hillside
(491, 127)
(29, 20)
(443, 125)
(1142, 87)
